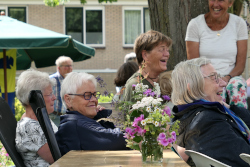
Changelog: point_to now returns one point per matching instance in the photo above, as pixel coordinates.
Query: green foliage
(19, 109)
(54, 3)
(5, 159)
(106, 99)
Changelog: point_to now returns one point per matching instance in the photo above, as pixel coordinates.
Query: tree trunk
(171, 17)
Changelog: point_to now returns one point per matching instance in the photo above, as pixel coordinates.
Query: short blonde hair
(188, 81)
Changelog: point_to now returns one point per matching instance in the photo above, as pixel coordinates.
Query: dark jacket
(208, 130)
(78, 132)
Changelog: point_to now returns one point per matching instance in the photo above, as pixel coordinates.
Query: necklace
(153, 78)
(218, 33)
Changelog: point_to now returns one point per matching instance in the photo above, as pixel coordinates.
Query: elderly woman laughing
(78, 128)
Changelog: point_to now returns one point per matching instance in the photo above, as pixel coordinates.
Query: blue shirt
(58, 105)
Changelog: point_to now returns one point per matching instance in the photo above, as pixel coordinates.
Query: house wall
(107, 59)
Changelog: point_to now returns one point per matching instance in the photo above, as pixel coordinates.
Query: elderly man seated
(79, 129)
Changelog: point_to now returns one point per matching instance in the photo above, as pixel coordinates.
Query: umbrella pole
(5, 75)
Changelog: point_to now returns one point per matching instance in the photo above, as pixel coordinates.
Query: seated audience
(31, 142)
(123, 74)
(207, 124)
(79, 129)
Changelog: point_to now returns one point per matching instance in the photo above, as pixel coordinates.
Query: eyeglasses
(88, 95)
(50, 95)
(214, 76)
(66, 66)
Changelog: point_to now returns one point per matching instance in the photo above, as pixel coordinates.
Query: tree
(171, 17)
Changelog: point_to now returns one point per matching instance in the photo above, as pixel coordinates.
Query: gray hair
(73, 81)
(188, 81)
(62, 59)
(31, 80)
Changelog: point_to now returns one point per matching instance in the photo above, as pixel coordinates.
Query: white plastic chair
(202, 160)
(245, 157)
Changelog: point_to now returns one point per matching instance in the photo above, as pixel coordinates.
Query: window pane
(146, 20)
(132, 25)
(18, 13)
(94, 32)
(74, 23)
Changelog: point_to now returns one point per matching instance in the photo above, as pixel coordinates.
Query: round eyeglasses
(88, 95)
(214, 76)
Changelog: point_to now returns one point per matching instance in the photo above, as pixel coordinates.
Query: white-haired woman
(30, 140)
(79, 129)
(207, 124)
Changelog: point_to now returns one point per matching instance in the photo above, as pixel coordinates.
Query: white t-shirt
(221, 50)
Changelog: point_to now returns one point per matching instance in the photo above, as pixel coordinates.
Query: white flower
(148, 109)
(143, 122)
(155, 102)
(157, 109)
(156, 123)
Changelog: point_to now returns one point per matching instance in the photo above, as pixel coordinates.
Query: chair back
(204, 160)
(245, 157)
(8, 125)
(38, 105)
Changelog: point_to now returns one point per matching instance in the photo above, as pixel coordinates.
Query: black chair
(8, 125)
(38, 105)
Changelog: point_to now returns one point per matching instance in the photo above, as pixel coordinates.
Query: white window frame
(123, 23)
(102, 8)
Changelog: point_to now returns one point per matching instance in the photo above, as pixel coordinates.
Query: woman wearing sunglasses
(79, 129)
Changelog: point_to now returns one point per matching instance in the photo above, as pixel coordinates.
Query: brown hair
(148, 41)
(165, 83)
(125, 72)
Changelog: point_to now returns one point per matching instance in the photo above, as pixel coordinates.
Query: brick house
(109, 28)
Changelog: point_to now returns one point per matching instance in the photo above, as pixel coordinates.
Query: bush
(19, 109)
(5, 159)
(105, 99)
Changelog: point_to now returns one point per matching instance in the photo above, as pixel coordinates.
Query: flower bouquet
(147, 125)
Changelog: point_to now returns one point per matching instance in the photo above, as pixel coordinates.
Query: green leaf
(137, 139)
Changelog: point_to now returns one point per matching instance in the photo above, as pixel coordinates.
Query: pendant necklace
(218, 33)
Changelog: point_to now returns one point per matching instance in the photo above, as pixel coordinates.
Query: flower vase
(151, 151)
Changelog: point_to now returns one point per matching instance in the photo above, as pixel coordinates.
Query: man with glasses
(64, 66)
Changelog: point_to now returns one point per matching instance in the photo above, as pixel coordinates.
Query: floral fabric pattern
(29, 139)
(236, 90)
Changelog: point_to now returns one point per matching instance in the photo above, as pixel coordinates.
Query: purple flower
(166, 110)
(164, 142)
(152, 94)
(161, 136)
(166, 97)
(106, 93)
(173, 135)
(147, 92)
(134, 85)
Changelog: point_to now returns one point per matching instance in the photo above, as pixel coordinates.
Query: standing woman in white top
(222, 38)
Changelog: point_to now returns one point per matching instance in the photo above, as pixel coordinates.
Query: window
(94, 27)
(18, 13)
(74, 23)
(135, 22)
(85, 25)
